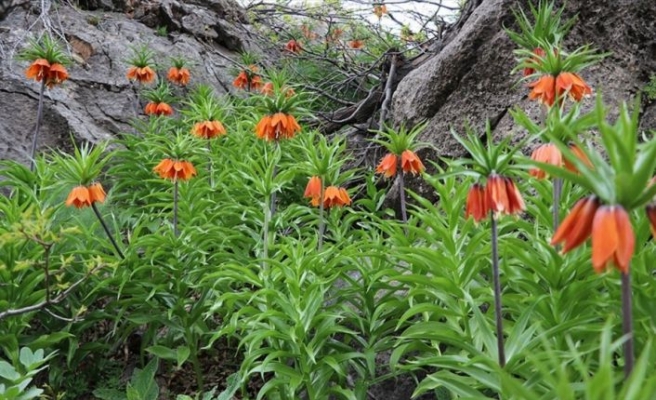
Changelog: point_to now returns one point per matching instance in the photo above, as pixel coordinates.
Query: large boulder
(469, 79)
(98, 101)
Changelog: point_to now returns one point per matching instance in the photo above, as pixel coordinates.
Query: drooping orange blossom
(335, 197)
(248, 79)
(380, 9)
(179, 76)
(143, 74)
(293, 46)
(161, 108)
(41, 69)
(180, 170)
(550, 154)
(477, 204)
(208, 129)
(547, 88)
(502, 195)
(38, 70)
(356, 44)
(267, 89)
(411, 163)
(613, 240)
(313, 190)
(84, 196)
(277, 126)
(388, 165)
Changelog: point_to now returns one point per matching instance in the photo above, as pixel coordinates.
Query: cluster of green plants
(206, 235)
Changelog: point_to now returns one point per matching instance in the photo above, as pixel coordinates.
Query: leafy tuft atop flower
(142, 65)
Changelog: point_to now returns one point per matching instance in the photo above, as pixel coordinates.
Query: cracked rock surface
(470, 78)
(98, 101)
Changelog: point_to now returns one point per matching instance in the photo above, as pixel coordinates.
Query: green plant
(15, 379)
(161, 31)
(233, 383)
(650, 88)
(142, 386)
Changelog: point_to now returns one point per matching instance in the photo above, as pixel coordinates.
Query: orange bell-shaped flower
(387, 165)
(313, 190)
(411, 163)
(613, 239)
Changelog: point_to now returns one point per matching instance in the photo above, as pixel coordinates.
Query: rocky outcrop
(97, 101)
(469, 79)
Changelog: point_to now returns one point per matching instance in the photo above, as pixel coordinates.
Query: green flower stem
(175, 208)
(210, 167)
(497, 292)
(273, 193)
(627, 324)
(269, 210)
(193, 354)
(322, 222)
(39, 116)
(109, 234)
(404, 212)
(265, 235)
(557, 192)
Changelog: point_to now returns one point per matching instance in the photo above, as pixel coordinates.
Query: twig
(56, 300)
(388, 92)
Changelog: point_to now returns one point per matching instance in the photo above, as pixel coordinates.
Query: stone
(98, 102)
(470, 80)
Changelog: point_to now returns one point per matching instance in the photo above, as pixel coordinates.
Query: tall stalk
(322, 222)
(497, 292)
(404, 213)
(109, 234)
(265, 235)
(210, 167)
(175, 208)
(39, 116)
(557, 193)
(627, 324)
(269, 210)
(198, 371)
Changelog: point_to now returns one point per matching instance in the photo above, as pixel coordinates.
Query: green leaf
(144, 381)
(109, 394)
(163, 352)
(232, 385)
(182, 354)
(7, 371)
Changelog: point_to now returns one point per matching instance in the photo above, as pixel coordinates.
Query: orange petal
(476, 205)
(330, 196)
(411, 163)
(577, 226)
(79, 197)
(344, 198)
(313, 188)
(515, 200)
(387, 165)
(605, 240)
(97, 193)
(496, 193)
(626, 240)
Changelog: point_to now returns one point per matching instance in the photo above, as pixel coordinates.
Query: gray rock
(98, 101)
(470, 80)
